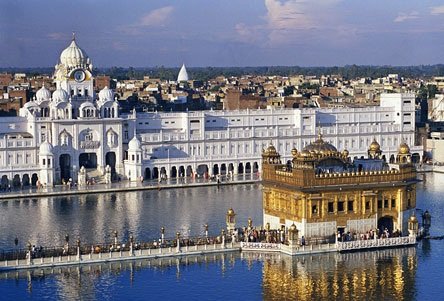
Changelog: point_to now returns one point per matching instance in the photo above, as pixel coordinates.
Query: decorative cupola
(404, 155)
(270, 155)
(46, 163)
(374, 150)
(133, 166)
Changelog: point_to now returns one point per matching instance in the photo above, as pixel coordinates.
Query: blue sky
(144, 33)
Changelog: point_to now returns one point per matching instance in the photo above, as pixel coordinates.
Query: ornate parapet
(376, 243)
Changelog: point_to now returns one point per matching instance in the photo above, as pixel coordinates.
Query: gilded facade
(323, 191)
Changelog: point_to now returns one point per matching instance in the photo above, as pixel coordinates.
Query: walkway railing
(113, 248)
(376, 243)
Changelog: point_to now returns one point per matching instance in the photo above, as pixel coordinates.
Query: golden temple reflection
(386, 274)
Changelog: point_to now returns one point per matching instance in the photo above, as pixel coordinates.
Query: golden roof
(404, 149)
(413, 219)
(374, 146)
(270, 150)
(320, 147)
(230, 212)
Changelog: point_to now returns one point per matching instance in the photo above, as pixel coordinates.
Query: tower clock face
(79, 76)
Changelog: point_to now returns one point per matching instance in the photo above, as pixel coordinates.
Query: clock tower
(74, 73)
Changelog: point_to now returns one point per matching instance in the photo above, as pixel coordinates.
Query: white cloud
(437, 10)
(58, 36)
(153, 19)
(404, 17)
(287, 18)
(157, 17)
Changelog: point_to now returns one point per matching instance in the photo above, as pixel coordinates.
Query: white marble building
(57, 134)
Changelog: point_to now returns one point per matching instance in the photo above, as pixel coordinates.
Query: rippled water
(401, 274)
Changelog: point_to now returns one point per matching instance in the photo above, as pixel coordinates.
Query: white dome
(106, 94)
(43, 94)
(74, 56)
(134, 144)
(183, 74)
(30, 104)
(45, 149)
(60, 95)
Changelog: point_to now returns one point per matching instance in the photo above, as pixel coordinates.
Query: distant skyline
(142, 33)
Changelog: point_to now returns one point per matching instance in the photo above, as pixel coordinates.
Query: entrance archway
(25, 180)
(147, 173)
(202, 170)
(248, 167)
(16, 181)
(155, 173)
(223, 169)
(256, 167)
(215, 169)
(4, 181)
(189, 171)
(173, 172)
(240, 169)
(110, 159)
(34, 179)
(385, 222)
(88, 160)
(181, 171)
(65, 166)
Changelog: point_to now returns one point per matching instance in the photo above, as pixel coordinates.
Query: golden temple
(325, 192)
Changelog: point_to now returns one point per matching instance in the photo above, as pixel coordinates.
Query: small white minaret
(46, 162)
(183, 74)
(133, 167)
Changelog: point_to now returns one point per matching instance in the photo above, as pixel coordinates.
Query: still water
(401, 274)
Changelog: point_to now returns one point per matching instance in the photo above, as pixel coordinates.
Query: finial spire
(319, 131)
(73, 35)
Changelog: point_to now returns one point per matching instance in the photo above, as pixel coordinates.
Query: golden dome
(374, 146)
(305, 154)
(294, 152)
(292, 228)
(320, 147)
(230, 212)
(413, 219)
(404, 149)
(270, 150)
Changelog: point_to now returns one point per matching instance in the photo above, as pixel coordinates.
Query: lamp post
(29, 253)
(78, 249)
(115, 238)
(131, 245)
(413, 226)
(250, 223)
(206, 231)
(222, 234)
(178, 242)
(231, 220)
(426, 222)
(162, 235)
(16, 241)
(67, 243)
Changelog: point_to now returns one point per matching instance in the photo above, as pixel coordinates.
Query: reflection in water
(93, 218)
(386, 275)
(400, 274)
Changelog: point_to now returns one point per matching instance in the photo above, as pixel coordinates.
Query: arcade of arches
(202, 170)
(18, 180)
